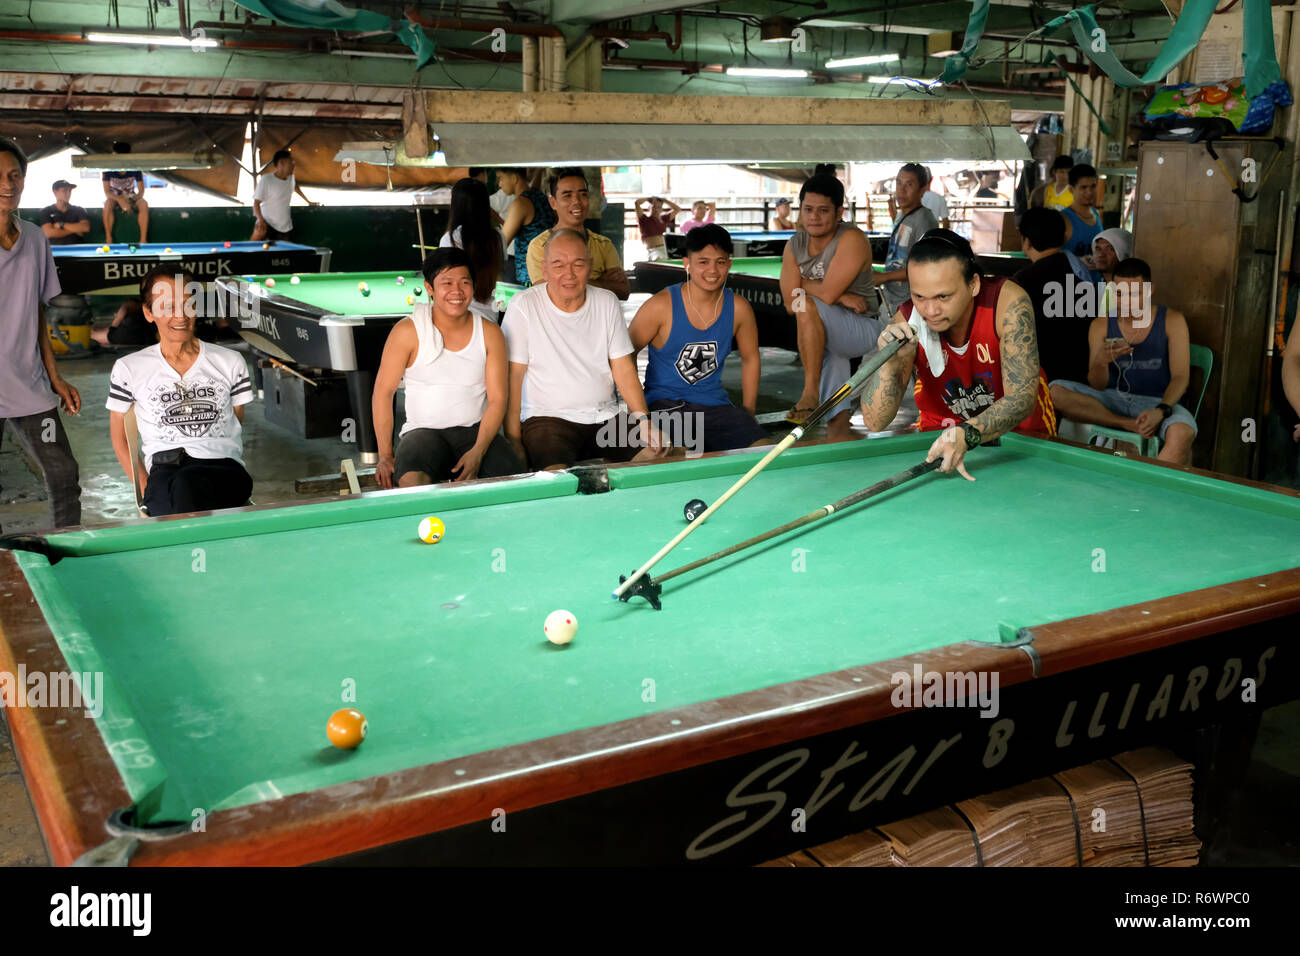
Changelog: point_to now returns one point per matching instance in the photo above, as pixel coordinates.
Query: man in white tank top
(454, 364)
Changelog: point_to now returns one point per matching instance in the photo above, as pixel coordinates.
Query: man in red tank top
(971, 341)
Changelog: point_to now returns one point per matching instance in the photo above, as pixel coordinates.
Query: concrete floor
(1264, 834)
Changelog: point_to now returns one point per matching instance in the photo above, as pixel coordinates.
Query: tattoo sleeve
(1019, 352)
(884, 390)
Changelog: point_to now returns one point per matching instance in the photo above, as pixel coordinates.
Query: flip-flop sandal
(798, 415)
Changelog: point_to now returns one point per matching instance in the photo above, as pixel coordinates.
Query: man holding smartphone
(1139, 366)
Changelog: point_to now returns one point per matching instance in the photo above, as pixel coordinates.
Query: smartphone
(1117, 341)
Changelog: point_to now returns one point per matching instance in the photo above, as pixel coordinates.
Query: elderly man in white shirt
(569, 349)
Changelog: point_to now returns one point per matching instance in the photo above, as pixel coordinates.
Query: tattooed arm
(1018, 345)
(884, 390)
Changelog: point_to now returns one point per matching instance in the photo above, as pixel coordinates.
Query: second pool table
(86, 269)
(1108, 603)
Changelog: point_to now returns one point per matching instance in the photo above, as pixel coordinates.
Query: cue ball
(294, 281)
(694, 508)
(431, 530)
(560, 627)
(347, 728)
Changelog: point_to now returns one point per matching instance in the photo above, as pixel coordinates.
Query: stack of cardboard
(1167, 808)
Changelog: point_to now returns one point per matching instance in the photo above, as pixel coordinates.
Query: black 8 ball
(694, 508)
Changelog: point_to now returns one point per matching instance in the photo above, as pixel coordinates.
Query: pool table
(88, 270)
(1116, 602)
(757, 243)
(746, 243)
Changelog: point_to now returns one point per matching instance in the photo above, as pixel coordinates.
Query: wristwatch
(1167, 409)
(972, 434)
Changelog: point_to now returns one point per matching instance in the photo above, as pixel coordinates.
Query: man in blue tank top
(1138, 369)
(1082, 218)
(689, 328)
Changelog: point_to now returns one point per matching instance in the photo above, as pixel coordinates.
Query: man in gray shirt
(913, 220)
(29, 378)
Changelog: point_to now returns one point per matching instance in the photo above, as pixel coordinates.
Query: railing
(871, 216)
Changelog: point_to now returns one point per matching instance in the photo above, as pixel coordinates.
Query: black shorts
(435, 452)
(277, 235)
(180, 483)
(558, 441)
(704, 428)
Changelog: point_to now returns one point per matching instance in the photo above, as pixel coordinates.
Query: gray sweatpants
(43, 438)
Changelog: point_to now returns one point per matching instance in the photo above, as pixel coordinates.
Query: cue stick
(864, 372)
(824, 511)
(278, 364)
(419, 227)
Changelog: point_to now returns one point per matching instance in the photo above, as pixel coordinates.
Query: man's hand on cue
(951, 447)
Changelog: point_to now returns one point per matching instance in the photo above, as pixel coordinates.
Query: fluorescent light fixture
(387, 154)
(200, 159)
(897, 81)
(765, 73)
(862, 60)
(148, 39)
(374, 54)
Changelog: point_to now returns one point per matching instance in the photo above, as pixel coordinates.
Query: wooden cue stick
(825, 510)
(864, 372)
(278, 364)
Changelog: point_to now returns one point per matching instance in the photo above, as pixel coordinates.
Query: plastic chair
(1199, 357)
(133, 452)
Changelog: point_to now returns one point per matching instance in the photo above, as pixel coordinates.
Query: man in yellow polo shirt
(571, 203)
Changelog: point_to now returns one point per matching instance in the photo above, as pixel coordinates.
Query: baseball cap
(783, 201)
(63, 184)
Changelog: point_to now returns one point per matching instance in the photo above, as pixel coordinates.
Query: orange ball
(347, 728)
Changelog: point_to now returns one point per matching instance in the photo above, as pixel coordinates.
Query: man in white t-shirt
(188, 398)
(272, 197)
(569, 349)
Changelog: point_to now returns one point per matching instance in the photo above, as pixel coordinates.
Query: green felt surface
(770, 266)
(340, 293)
(228, 640)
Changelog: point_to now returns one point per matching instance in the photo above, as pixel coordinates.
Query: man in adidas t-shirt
(188, 397)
